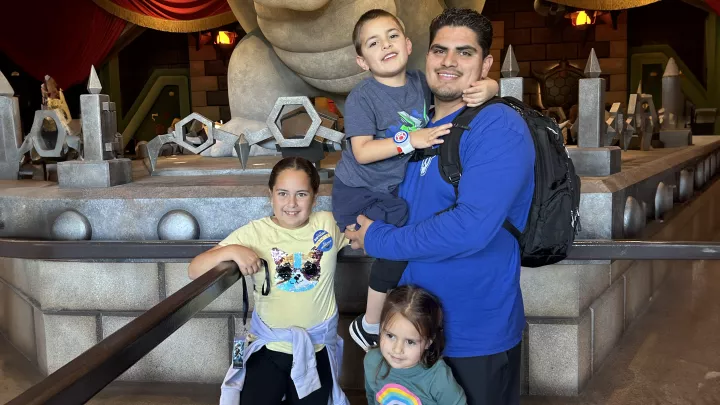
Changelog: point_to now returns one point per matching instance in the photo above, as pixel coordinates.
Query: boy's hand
(246, 259)
(480, 92)
(427, 137)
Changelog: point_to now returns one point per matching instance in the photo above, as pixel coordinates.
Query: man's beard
(446, 94)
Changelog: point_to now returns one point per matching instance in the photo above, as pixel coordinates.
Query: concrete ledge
(61, 338)
(608, 321)
(16, 321)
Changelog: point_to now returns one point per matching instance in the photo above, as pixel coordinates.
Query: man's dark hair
(368, 16)
(465, 17)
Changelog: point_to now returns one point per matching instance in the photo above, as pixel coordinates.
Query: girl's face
(292, 199)
(401, 344)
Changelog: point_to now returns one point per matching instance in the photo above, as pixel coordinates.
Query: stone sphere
(71, 225)
(700, 175)
(178, 225)
(633, 218)
(663, 200)
(687, 185)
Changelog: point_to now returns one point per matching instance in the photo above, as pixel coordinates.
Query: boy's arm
(369, 150)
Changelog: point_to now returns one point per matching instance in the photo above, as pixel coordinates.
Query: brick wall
(208, 81)
(540, 43)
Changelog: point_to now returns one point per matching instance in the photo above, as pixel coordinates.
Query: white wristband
(402, 141)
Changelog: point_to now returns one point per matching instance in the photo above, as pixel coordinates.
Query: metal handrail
(82, 378)
(180, 250)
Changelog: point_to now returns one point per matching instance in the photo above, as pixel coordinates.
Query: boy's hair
(369, 16)
(465, 17)
(423, 310)
(296, 163)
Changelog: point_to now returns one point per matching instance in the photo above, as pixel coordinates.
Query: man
(463, 255)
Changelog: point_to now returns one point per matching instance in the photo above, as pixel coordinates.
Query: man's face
(454, 61)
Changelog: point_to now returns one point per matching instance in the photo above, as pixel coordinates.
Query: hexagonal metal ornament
(36, 133)
(275, 114)
(180, 133)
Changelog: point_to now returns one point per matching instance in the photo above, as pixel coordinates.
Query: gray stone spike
(5, 87)
(94, 86)
(510, 67)
(639, 89)
(671, 69)
(592, 67)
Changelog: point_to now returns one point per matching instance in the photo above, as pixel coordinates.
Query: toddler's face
(384, 47)
(401, 344)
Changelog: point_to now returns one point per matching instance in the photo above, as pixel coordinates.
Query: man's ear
(361, 62)
(408, 43)
(487, 64)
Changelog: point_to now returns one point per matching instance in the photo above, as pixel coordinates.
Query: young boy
(385, 116)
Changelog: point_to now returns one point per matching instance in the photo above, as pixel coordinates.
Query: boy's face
(384, 47)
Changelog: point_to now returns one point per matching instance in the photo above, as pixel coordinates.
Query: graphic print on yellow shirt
(299, 272)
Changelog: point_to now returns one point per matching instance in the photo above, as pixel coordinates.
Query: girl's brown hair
(296, 163)
(423, 310)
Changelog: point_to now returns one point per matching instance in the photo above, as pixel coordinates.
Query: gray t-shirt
(373, 108)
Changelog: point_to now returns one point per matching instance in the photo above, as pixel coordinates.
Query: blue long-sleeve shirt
(463, 255)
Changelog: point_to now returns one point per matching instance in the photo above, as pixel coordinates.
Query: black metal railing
(90, 251)
(79, 380)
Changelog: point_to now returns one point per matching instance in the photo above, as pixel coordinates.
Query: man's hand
(357, 237)
(428, 137)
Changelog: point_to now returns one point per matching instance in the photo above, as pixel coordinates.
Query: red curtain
(58, 38)
(176, 9)
(715, 4)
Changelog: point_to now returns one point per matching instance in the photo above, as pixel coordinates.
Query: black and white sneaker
(364, 339)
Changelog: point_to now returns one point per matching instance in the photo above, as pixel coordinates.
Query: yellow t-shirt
(301, 263)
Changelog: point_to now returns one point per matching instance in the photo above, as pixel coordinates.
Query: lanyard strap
(265, 290)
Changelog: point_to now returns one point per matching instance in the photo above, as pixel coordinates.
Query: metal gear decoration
(274, 116)
(180, 133)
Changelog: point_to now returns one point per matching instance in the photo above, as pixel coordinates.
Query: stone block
(602, 49)
(197, 352)
(176, 277)
(215, 68)
(546, 36)
(61, 338)
(602, 161)
(618, 268)
(16, 321)
(94, 174)
(94, 286)
(541, 67)
(507, 18)
(659, 271)
(618, 82)
(605, 32)
(222, 83)
(608, 321)
(572, 34)
(206, 52)
(219, 97)
(352, 286)
(561, 51)
(529, 19)
(497, 43)
(199, 98)
(616, 97)
(197, 68)
(524, 69)
(498, 28)
(529, 52)
(519, 36)
(210, 112)
(495, 75)
(597, 223)
(618, 49)
(560, 356)
(562, 290)
(530, 85)
(496, 56)
(675, 139)
(611, 66)
(638, 289)
(204, 83)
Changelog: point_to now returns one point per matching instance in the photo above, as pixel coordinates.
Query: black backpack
(554, 218)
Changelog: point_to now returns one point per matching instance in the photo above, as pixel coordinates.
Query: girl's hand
(427, 137)
(480, 92)
(246, 259)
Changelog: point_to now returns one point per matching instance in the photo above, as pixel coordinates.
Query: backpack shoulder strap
(449, 164)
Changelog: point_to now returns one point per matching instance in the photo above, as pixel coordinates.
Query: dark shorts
(349, 202)
(493, 379)
(267, 380)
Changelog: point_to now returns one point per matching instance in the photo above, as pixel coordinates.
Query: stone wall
(541, 42)
(208, 80)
